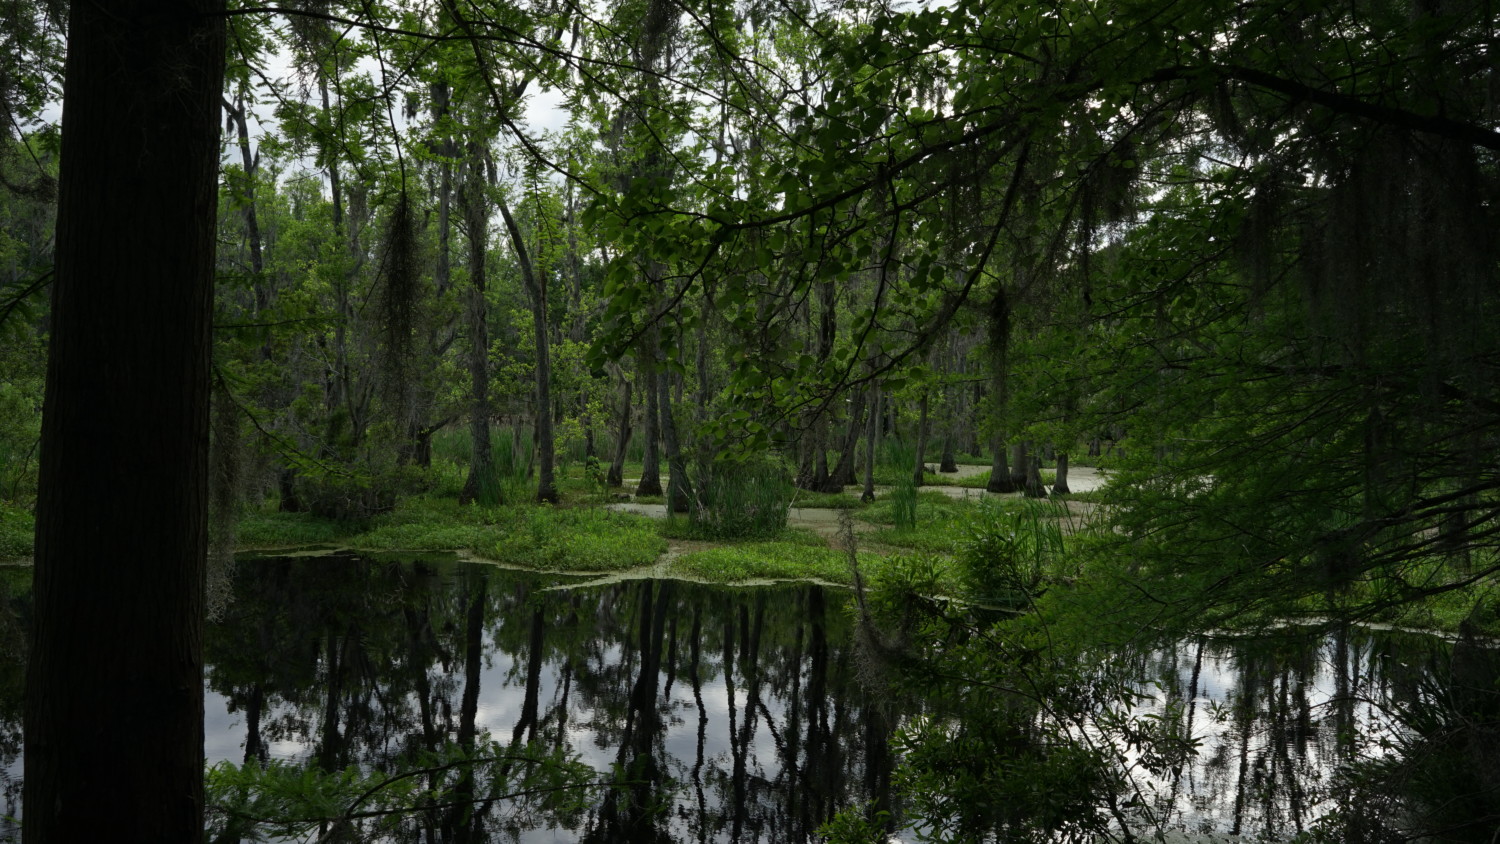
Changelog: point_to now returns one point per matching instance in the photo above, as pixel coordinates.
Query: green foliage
(1007, 552)
(742, 501)
(22, 365)
(296, 800)
(857, 825)
(17, 529)
(286, 530)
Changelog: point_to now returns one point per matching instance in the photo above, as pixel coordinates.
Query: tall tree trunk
(919, 473)
(442, 277)
(1000, 480)
(868, 494)
(843, 471)
(1020, 463)
(481, 484)
(949, 460)
(1060, 483)
(1033, 463)
(616, 477)
(236, 113)
(679, 489)
(650, 483)
(119, 577)
(546, 452)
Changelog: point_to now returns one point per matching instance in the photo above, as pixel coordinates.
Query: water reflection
(1309, 738)
(733, 715)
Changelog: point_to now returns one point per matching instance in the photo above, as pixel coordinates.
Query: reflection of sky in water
(1269, 723)
(597, 708)
(1270, 729)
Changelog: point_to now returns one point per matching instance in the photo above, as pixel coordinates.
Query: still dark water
(743, 704)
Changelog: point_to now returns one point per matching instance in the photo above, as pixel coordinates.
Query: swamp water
(735, 712)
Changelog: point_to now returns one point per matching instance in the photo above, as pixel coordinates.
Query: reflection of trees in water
(730, 714)
(1291, 726)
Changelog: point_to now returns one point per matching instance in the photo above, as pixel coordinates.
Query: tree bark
(679, 490)
(1033, 469)
(122, 506)
(616, 477)
(650, 483)
(949, 460)
(1060, 484)
(1020, 462)
(920, 472)
(546, 452)
(843, 471)
(868, 494)
(481, 484)
(1000, 481)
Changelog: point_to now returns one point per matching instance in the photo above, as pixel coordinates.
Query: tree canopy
(1240, 251)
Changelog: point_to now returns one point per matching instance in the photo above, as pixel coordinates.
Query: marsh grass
(535, 536)
(982, 479)
(742, 501)
(929, 505)
(938, 536)
(1006, 552)
(903, 500)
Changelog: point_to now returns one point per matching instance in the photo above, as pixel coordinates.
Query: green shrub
(1007, 551)
(17, 527)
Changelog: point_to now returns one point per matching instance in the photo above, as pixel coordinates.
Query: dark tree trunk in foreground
(121, 512)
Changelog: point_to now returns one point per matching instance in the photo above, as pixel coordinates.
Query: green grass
(535, 536)
(943, 536)
(930, 505)
(769, 561)
(742, 501)
(270, 529)
(678, 527)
